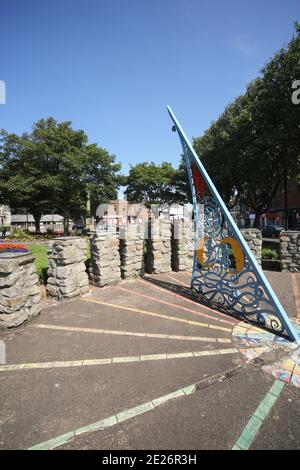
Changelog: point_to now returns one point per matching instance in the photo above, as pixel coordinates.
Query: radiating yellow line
(196, 304)
(158, 315)
(179, 307)
(115, 360)
(131, 333)
(178, 280)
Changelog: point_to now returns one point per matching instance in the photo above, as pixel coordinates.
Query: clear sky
(111, 66)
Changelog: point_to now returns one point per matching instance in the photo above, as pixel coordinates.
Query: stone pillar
(182, 244)
(19, 290)
(159, 246)
(290, 251)
(254, 239)
(132, 251)
(105, 258)
(67, 277)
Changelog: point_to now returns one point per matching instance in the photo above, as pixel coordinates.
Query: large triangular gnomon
(225, 271)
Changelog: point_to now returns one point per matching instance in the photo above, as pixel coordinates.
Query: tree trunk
(257, 219)
(37, 219)
(66, 224)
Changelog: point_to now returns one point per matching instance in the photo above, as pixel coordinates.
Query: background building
(121, 212)
(5, 216)
(48, 222)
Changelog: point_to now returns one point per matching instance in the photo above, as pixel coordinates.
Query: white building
(48, 221)
(5, 216)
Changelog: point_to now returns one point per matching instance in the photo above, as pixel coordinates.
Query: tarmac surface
(143, 365)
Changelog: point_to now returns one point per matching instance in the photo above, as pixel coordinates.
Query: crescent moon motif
(236, 250)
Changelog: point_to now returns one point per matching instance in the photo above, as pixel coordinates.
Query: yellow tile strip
(114, 360)
(130, 333)
(176, 306)
(158, 315)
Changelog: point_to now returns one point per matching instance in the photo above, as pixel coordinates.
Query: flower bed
(12, 248)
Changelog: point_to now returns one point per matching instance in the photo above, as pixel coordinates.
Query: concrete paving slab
(131, 298)
(37, 405)
(211, 418)
(36, 344)
(183, 300)
(281, 283)
(281, 430)
(86, 377)
(89, 315)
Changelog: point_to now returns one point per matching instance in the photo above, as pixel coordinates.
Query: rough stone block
(19, 290)
(67, 272)
(290, 251)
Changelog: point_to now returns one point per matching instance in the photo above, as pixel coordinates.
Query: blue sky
(111, 66)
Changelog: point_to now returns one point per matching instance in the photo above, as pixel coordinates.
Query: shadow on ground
(189, 293)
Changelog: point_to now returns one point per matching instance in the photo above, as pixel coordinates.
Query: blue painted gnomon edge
(278, 309)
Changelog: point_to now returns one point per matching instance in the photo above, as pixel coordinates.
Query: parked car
(271, 231)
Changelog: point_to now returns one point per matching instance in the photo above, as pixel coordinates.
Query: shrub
(270, 253)
(19, 234)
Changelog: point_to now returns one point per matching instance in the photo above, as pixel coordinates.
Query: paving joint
(135, 411)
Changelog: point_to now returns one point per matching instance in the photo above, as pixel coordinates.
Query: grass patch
(41, 260)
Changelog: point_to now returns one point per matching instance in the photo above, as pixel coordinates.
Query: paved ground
(142, 365)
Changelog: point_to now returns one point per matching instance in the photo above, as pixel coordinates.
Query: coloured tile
(247, 436)
(265, 406)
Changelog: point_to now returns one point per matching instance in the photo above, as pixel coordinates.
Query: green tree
(181, 183)
(256, 140)
(102, 175)
(53, 168)
(152, 184)
(21, 184)
(220, 149)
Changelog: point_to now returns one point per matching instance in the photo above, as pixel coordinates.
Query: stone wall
(158, 259)
(105, 258)
(254, 240)
(132, 251)
(19, 290)
(67, 277)
(290, 251)
(182, 245)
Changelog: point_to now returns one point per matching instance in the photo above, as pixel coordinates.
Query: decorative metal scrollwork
(225, 271)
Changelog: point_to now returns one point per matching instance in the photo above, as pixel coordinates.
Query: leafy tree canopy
(153, 184)
(53, 168)
(256, 140)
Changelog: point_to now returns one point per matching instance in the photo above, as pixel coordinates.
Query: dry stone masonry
(290, 251)
(159, 246)
(105, 258)
(67, 277)
(182, 245)
(254, 240)
(132, 251)
(19, 290)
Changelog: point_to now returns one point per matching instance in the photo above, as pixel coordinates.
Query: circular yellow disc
(235, 246)
(237, 252)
